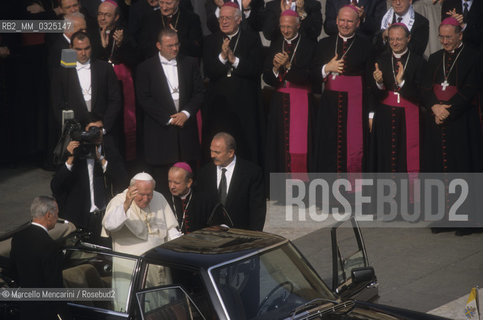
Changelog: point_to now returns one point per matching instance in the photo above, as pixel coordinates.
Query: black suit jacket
(374, 10)
(189, 33)
(473, 33)
(419, 37)
(254, 20)
(36, 262)
(245, 202)
(311, 26)
(66, 94)
(166, 144)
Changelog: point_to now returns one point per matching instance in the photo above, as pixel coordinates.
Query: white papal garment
(135, 232)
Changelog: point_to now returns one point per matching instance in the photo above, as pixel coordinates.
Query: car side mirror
(364, 274)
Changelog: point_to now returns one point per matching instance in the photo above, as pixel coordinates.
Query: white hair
(41, 205)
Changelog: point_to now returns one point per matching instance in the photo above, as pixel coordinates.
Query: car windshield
(269, 285)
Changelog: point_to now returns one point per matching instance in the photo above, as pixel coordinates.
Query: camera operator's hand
(100, 157)
(70, 148)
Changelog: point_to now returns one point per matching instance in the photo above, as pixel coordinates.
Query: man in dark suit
(170, 91)
(370, 13)
(251, 13)
(37, 260)
(472, 11)
(235, 183)
(402, 11)
(172, 16)
(82, 184)
(90, 88)
(309, 12)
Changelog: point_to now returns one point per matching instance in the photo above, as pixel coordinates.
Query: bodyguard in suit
(235, 183)
(37, 260)
(89, 88)
(370, 12)
(402, 11)
(170, 91)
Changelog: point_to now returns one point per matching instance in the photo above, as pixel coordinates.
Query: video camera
(73, 132)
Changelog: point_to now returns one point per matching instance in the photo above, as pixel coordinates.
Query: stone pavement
(415, 268)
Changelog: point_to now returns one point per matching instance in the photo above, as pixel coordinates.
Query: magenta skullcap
(451, 21)
(231, 4)
(114, 3)
(353, 7)
(183, 165)
(289, 13)
(401, 25)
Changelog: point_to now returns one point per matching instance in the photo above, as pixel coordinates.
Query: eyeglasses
(224, 18)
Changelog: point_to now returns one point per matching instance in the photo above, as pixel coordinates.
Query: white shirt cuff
(235, 64)
(371, 115)
(275, 73)
(186, 113)
(224, 61)
(380, 86)
(402, 84)
(324, 74)
(69, 166)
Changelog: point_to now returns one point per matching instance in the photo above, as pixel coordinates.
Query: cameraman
(82, 185)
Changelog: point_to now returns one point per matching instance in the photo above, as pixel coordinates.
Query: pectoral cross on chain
(398, 95)
(444, 84)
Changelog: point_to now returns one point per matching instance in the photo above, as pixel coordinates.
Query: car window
(190, 280)
(167, 303)
(268, 286)
(97, 270)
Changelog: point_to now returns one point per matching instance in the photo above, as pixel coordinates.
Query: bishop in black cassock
(233, 64)
(340, 132)
(288, 115)
(453, 141)
(395, 143)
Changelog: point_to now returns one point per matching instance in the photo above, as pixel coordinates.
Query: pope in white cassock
(137, 219)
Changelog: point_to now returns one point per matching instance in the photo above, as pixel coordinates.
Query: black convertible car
(222, 273)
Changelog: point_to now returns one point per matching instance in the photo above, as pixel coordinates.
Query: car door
(167, 303)
(352, 275)
(101, 270)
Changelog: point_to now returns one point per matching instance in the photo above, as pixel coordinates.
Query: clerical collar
(289, 41)
(346, 38)
(399, 55)
(177, 9)
(230, 36)
(455, 50)
(186, 195)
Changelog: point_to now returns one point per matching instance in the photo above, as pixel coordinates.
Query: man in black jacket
(235, 183)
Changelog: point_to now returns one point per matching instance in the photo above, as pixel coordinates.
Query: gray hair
(228, 138)
(41, 205)
(72, 16)
(238, 13)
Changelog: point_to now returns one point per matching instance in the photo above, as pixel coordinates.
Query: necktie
(465, 11)
(399, 19)
(222, 187)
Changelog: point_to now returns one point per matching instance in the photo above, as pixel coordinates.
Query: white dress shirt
(228, 174)
(84, 75)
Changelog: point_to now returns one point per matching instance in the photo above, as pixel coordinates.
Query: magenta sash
(353, 86)
(411, 112)
(444, 95)
(299, 118)
(124, 75)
